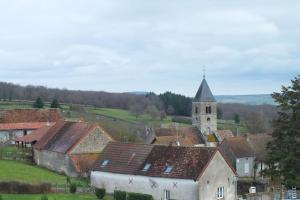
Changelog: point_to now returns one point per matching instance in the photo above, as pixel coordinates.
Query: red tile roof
(238, 146)
(35, 135)
(31, 115)
(225, 133)
(123, 158)
(188, 136)
(62, 136)
(22, 126)
(186, 162)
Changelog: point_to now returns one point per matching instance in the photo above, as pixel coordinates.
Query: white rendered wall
(180, 189)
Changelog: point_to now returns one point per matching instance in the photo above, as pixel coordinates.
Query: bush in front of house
(138, 196)
(119, 195)
(44, 197)
(73, 188)
(100, 193)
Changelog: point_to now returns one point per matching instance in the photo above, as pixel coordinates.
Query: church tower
(204, 110)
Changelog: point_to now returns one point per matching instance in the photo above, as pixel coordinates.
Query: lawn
(22, 172)
(51, 197)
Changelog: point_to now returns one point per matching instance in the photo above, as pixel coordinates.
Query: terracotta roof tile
(84, 162)
(237, 146)
(31, 115)
(63, 135)
(189, 136)
(22, 126)
(123, 158)
(186, 162)
(35, 135)
(259, 142)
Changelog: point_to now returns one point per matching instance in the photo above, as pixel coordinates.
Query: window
(196, 110)
(208, 119)
(220, 193)
(167, 195)
(246, 168)
(168, 169)
(104, 163)
(146, 167)
(208, 110)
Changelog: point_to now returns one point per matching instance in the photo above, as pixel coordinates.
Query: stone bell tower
(204, 110)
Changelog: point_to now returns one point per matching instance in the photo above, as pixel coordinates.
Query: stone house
(240, 154)
(165, 172)
(70, 147)
(20, 122)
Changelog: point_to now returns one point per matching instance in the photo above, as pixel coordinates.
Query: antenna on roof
(203, 71)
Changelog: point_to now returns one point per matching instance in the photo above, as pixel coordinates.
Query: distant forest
(162, 104)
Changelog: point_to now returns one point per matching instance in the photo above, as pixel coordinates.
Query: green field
(51, 197)
(22, 172)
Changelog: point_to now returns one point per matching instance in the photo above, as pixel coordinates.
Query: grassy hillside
(22, 172)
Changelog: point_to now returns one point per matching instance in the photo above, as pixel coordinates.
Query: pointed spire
(204, 93)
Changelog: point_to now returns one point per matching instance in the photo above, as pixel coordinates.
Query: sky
(248, 47)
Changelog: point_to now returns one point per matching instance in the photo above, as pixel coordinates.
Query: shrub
(73, 188)
(100, 193)
(138, 196)
(119, 195)
(44, 197)
(0, 197)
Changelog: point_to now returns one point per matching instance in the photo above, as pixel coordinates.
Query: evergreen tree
(284, 150)
(236, 118)
(54, 104)
(38, 103)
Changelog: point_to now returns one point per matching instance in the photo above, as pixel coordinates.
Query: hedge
(23, 188)
(138, 196)
(121, 195)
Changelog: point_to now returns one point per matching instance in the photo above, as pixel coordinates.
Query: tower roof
(204, 94)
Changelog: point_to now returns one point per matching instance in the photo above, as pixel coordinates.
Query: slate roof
(204, 93)
(238, 147)
(123, 158)
(31, 115)
(187, 136)
(62, 136)
(22, 126)
(35, 135)
(259, 142)
(186, 162)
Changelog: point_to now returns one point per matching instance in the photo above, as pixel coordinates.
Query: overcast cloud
(248, 47)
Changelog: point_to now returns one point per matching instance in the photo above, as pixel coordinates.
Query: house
(20, 122)
(70, 147)
(165, 172)
(259, 142)
(186, 136)
(241, 155)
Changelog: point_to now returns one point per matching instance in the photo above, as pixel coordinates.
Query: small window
(196, 110)
(104, 163)
(220, 193)
(208, 119)
(167, 195)
(208, 110)
(168, 169)
(146, 167)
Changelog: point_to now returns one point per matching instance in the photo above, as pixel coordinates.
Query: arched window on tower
(196, 110)
(208, 109)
